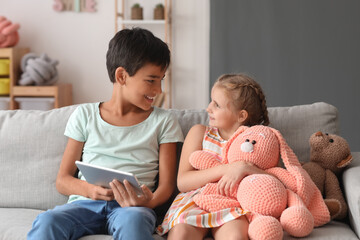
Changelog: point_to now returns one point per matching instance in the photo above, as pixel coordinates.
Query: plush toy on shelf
(329, 154)
(290, 201)
(38, 70)
(9, 35)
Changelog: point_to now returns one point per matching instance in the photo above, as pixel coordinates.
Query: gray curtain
(299, 51)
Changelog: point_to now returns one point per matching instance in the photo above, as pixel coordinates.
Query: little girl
(236, 100)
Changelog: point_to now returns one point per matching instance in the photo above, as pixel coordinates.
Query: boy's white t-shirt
(132, 149)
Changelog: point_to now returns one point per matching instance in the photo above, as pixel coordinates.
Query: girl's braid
(259, 92)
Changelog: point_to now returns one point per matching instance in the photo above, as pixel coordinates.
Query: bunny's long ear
(304, 185)
(289, 158)
(306, 188)
(225, 150)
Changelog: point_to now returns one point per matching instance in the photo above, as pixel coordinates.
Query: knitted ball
(258, 145)
(38, 70)
(264, 194)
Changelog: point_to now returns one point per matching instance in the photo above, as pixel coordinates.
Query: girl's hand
(100, 193)
(235, 172)
(126, 197)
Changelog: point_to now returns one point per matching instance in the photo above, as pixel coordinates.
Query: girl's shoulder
(197, 131)
(199, 128)
(205, 131)
(195, 135)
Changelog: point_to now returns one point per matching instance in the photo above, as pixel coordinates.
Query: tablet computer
(101, 176)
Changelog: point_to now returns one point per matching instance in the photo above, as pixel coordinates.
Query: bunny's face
(257, 145)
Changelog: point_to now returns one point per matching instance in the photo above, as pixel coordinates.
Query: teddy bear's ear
(345, 161)
(225, 150)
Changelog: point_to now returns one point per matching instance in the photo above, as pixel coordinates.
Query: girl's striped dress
(184, 210)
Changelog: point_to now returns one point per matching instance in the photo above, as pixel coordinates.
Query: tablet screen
(101, 176)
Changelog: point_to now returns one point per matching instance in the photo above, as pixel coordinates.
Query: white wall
(191, 30)
(79, 41)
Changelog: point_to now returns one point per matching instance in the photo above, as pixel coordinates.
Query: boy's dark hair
(133, 48)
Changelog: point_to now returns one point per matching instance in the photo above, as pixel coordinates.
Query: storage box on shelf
(33, 103)
(61, 93)
(10, 69)
(10, 59)
(4, 103)
(4, 86)
(4, 67)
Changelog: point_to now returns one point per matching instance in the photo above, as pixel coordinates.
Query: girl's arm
(188, 177)
(228, 175)
(126, 196)
(67, 183)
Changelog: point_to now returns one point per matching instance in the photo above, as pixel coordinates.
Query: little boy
(124, 133)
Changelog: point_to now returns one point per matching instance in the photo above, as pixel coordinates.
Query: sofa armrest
(351, 182)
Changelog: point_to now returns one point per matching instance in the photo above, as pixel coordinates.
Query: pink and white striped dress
(184, 209)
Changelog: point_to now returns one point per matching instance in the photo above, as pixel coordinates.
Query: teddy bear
(9, 35)
(285, 199)
(329, 154)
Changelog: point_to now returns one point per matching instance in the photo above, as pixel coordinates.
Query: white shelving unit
(160, 28)
(61, 93)
(143, 22)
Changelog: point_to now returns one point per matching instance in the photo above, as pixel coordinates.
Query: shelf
(14, 55)
(62, 93)
(140, 22)
(35, 91)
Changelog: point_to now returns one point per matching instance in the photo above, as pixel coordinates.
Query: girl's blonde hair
(247, 95)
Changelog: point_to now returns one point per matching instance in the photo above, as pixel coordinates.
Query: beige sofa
(32, 143)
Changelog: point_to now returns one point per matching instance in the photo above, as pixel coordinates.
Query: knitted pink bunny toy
(289, 201)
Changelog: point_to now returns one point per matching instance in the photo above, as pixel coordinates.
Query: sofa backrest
(31, 147)
(32, 144)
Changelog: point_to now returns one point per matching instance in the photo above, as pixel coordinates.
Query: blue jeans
(87, 217)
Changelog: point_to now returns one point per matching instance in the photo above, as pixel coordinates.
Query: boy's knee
(45, 227)
(133, 223)
(140, 216)
(45, 219)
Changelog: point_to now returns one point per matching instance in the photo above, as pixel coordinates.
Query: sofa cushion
(31, 148)
(16, 223)
(351, 181)
(297, 123)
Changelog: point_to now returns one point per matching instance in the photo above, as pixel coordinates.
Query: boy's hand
(126, 197)
(100, 193)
